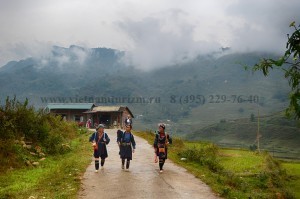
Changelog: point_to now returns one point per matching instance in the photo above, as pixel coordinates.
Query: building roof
(109, 109)
(78, 106)
(87, 107)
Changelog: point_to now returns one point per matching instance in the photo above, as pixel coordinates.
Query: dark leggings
(127, 163)
(97, 163)
(161, 163)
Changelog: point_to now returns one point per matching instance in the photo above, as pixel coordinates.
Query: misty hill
(189, 96)
(61, 72)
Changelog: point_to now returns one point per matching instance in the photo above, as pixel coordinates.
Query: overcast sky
(152, 32)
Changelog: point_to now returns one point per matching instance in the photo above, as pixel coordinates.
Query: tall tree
(290, 64)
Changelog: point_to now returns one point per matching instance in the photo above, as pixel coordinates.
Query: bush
(19, 121)
(274, 178)
(205, 156)
(253, 147)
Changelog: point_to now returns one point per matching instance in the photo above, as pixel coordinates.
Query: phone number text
(213, 99)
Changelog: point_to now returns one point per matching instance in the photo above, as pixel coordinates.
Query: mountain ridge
(97, 72)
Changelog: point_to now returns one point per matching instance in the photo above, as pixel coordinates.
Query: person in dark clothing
(127, 147)
(162, 139)
(119, 137)
(99, 139)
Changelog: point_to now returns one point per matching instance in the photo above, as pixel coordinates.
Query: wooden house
(111, 116)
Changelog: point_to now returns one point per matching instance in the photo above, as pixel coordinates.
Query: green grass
(238, 176)
(235, 173)
(293, 169)
(252, 164)
(55, 177)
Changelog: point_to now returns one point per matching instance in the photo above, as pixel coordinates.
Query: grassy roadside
(235, 173)
(55, 177)
(293, 169)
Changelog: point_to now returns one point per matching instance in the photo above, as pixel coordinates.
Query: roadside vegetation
(234, 173)
(57, 176)
(41, 156)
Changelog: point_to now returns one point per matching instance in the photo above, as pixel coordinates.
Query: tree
(290, 64)
(252, 117)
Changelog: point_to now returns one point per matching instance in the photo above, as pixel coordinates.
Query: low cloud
(153, 33)
(47, 54)
(23, 50)
(163, 40)
(262, 25)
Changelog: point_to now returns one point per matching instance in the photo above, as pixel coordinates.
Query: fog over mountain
(199, 91)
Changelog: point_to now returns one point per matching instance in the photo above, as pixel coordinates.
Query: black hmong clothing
(160, 145)
(127, 142)
(101, 143)
(119, 137)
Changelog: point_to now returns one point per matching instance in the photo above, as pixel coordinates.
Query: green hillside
(189, 96)
(278, 135)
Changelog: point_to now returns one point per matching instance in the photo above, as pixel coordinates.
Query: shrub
(222, 121)
(252, 117)
(253, 147)
(274, 178)
(19, 121)
(205, 156)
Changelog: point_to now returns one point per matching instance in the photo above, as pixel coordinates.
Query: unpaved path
(143, 180)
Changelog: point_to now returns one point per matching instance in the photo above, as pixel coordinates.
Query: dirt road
(143, 179)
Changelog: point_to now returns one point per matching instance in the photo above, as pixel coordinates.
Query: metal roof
(107, 108)
(80, 106)
(88, 107)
